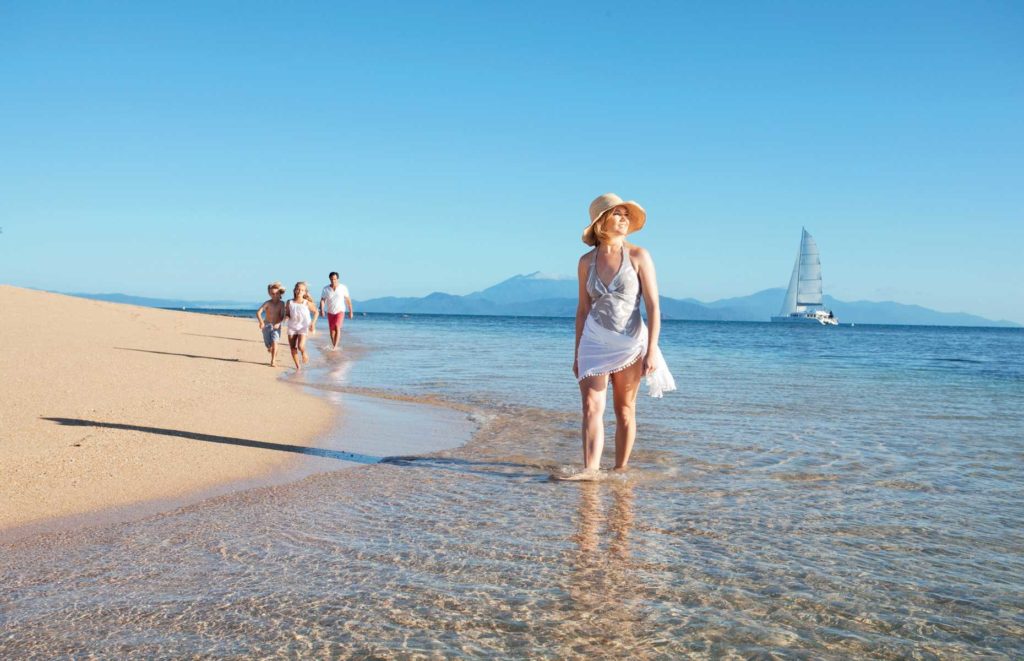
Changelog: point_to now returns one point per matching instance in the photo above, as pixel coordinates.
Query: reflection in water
(621, 519)
(617, 523)
(602, 584)
(588, 523)
(338, 366)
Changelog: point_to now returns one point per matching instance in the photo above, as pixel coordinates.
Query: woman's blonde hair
(599, 231)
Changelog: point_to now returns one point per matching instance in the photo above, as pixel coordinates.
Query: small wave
(632, 476)
(905, 485)
(805, 477)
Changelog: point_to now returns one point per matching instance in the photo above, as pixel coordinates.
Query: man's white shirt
(334, 299)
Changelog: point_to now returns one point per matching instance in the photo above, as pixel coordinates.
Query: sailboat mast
(800, 265)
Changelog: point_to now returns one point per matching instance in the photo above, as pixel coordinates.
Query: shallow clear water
(817, 492)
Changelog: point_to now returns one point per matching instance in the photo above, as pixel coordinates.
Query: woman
(612, 341)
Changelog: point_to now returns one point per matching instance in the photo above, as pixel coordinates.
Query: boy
(274, 309)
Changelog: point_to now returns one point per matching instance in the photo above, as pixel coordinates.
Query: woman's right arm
(582, 310)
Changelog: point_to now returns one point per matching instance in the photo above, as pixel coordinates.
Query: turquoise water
(808, 492)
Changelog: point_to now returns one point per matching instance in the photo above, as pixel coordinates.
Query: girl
(298, 312)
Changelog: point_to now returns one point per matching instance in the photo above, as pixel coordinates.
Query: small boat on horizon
(803, 302)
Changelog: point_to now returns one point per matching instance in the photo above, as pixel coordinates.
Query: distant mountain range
(541, 295)
(544, 296)
(166, 302)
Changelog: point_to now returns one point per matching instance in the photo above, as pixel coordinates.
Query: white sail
(809, 286)
(789, 303)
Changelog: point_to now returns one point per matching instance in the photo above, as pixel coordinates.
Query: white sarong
(603, 351)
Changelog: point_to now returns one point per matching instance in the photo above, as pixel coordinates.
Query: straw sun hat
(637, 215)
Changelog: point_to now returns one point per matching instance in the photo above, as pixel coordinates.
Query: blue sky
(199, 150)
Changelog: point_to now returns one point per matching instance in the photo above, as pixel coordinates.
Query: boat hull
(805, 319)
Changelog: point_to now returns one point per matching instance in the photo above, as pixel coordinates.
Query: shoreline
(211, 424)
(112, 407)
(364, 422)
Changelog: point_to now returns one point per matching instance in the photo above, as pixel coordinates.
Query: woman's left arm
(649, 285)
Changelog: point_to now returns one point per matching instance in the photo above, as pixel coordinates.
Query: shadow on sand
(489, 468)
(228, 440)
(222, 337)
(191, 355)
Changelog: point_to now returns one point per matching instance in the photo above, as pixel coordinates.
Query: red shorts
(334, 321)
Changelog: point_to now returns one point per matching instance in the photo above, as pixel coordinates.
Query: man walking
(333, 301)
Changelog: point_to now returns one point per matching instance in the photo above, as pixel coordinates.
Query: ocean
(808, 492)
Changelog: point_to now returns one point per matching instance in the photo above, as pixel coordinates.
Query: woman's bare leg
(593, 391)
(293, 342)
(625, 386)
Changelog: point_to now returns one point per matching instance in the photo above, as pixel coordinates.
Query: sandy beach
(109, 405)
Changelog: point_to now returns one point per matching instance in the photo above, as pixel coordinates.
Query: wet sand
(107, 406)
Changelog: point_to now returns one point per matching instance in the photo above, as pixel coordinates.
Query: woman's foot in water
(585, 475)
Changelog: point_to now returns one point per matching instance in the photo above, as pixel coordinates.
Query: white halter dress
(615, 335)
(298, 318)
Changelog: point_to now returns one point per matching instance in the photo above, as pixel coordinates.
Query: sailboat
(803, 302)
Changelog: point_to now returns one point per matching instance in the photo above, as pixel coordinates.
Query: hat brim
(637, 220)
